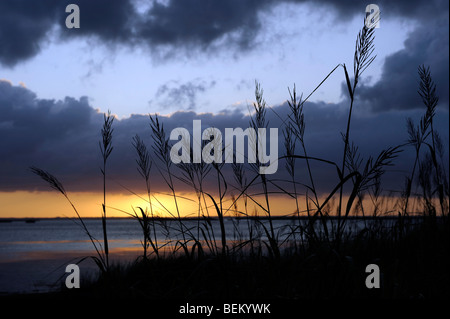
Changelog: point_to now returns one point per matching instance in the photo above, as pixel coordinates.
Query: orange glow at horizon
(24, 204)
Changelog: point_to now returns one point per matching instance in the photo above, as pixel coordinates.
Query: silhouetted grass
(106, 149)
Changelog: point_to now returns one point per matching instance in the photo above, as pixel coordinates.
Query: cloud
(62, 137)
(198, 24)
(189, 26)
(24, 27)
(397, 89)
(171, 29)
(416, 9)
(173, 95)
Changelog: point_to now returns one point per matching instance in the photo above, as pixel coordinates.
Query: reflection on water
(20, 240)
(46, 237)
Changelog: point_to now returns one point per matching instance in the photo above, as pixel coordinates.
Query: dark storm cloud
(188, 26)
(62, 137)
(416, 9)
(171, 29)
(24, 26)
(44, 131)
(198, 24)
(397, 89)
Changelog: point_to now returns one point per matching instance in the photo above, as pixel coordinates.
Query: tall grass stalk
(54, 183)
(427, 92)
(363, 57)
(297, 127)
(106, 149)
(256, 122)
(161, 149)
(144, 165)
(193, 176)
(241, 179)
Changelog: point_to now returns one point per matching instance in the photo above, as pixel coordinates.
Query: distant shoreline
(34, 219)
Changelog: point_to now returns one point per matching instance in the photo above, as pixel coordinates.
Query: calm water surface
(22, 240)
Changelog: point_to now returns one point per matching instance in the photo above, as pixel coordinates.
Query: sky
(199, 59)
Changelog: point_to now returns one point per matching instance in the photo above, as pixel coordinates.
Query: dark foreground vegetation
(414, 265)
